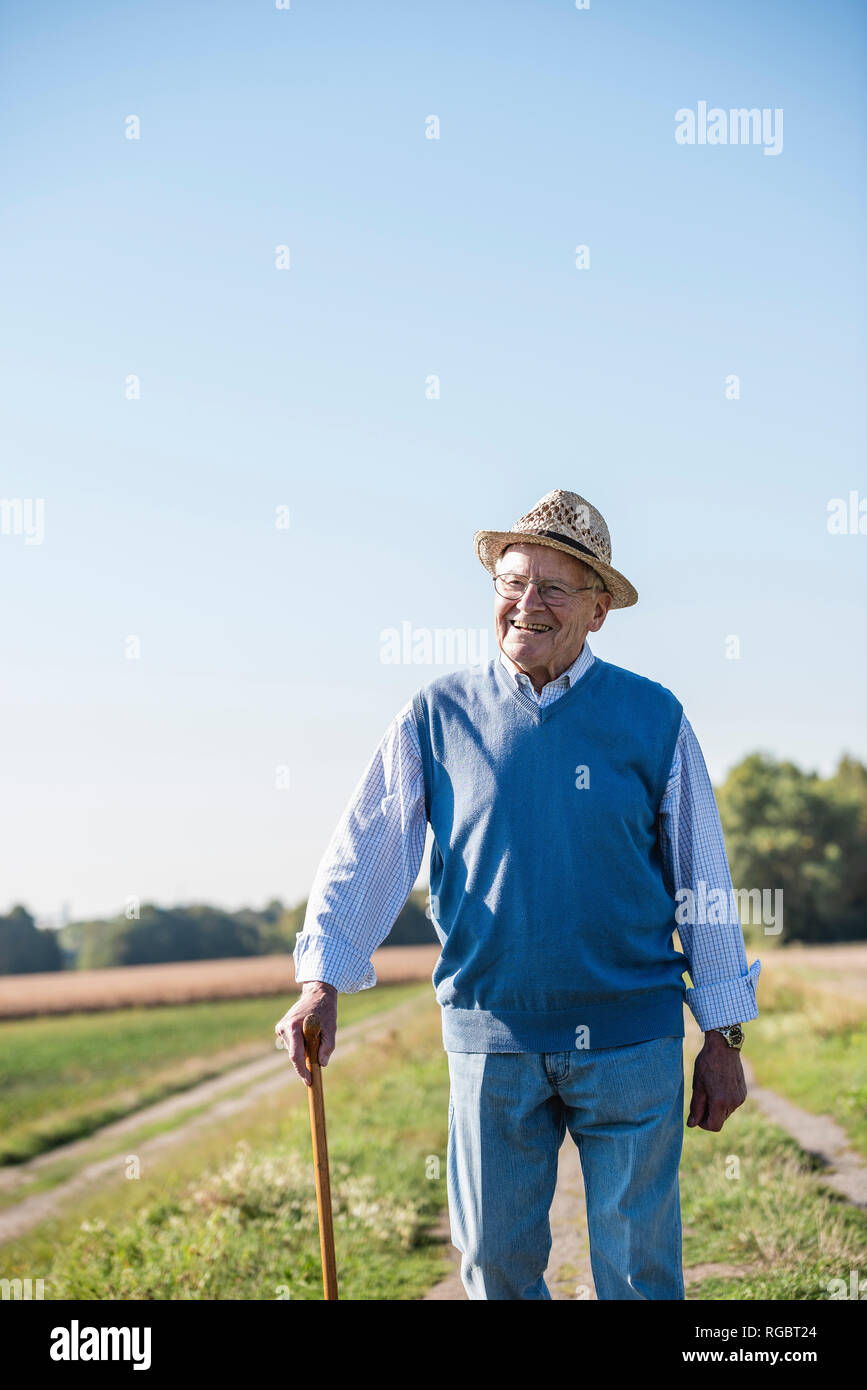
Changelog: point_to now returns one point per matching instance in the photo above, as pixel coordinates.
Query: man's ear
(600, 613)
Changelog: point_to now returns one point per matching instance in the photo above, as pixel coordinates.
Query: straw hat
(563, 521)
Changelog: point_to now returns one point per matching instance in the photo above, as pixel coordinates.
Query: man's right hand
(316, 998)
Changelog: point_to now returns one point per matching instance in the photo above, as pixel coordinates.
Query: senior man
(569, 803)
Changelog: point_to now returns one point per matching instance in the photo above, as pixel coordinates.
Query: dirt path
(257, 1079)
(569, 1275)
(819, 1135)
(202, 1093)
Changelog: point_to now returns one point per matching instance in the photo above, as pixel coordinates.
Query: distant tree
(278, 925)
(161, 934)
(413, 927)
(847, 791)
(199, 932)
(789, 829)
(24, 947)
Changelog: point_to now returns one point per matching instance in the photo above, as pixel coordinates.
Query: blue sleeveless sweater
(547, 892)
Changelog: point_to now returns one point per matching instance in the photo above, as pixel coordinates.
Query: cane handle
(312, 1035)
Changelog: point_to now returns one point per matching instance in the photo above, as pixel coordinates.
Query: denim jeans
(508, 1116)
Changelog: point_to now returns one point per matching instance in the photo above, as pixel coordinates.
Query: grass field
(231, 1212)
(752, 1200)
(809, 1042)
(232, 1215)
(62, 1078)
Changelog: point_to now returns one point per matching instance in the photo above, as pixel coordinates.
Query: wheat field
(184, 982)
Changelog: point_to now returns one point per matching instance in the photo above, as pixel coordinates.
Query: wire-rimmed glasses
(552, 592)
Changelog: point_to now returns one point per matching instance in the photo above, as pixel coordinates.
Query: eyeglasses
(552, 593)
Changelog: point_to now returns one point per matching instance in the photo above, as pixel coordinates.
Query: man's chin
(527, 645)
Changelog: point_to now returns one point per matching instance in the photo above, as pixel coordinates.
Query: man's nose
(530, 597)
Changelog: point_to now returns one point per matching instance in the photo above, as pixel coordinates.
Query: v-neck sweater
(547, 890)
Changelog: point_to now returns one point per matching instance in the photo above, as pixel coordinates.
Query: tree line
(162, 934)
(785, 829)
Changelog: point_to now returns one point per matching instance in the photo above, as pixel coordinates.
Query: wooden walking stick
(312, 1035)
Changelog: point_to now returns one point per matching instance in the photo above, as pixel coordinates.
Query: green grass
(809, 1043)
(63, 1078)
(825, 1075)
(751, 1198)
(233, 1215)
(790, 1235)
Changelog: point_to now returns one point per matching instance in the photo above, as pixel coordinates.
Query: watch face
(736, 1035)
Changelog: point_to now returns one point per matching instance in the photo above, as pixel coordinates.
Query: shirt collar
(582, 663)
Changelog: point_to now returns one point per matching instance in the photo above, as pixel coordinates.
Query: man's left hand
(718, 1084)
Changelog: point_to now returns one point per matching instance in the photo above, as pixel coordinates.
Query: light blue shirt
(375, 853)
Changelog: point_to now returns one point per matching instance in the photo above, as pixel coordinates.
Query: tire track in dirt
(818, 1135)
(258, 1078)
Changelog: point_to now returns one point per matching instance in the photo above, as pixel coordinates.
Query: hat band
(567, 540)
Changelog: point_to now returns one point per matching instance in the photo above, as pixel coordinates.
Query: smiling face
(544, 641)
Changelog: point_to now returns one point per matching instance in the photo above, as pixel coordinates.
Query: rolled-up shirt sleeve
(694, 857)
(369, 867)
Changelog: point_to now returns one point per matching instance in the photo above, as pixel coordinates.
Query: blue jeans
(508, 1116)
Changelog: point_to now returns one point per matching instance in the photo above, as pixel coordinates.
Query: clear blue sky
(262, 387)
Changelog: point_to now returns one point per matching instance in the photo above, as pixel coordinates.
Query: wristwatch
(733, 1034)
